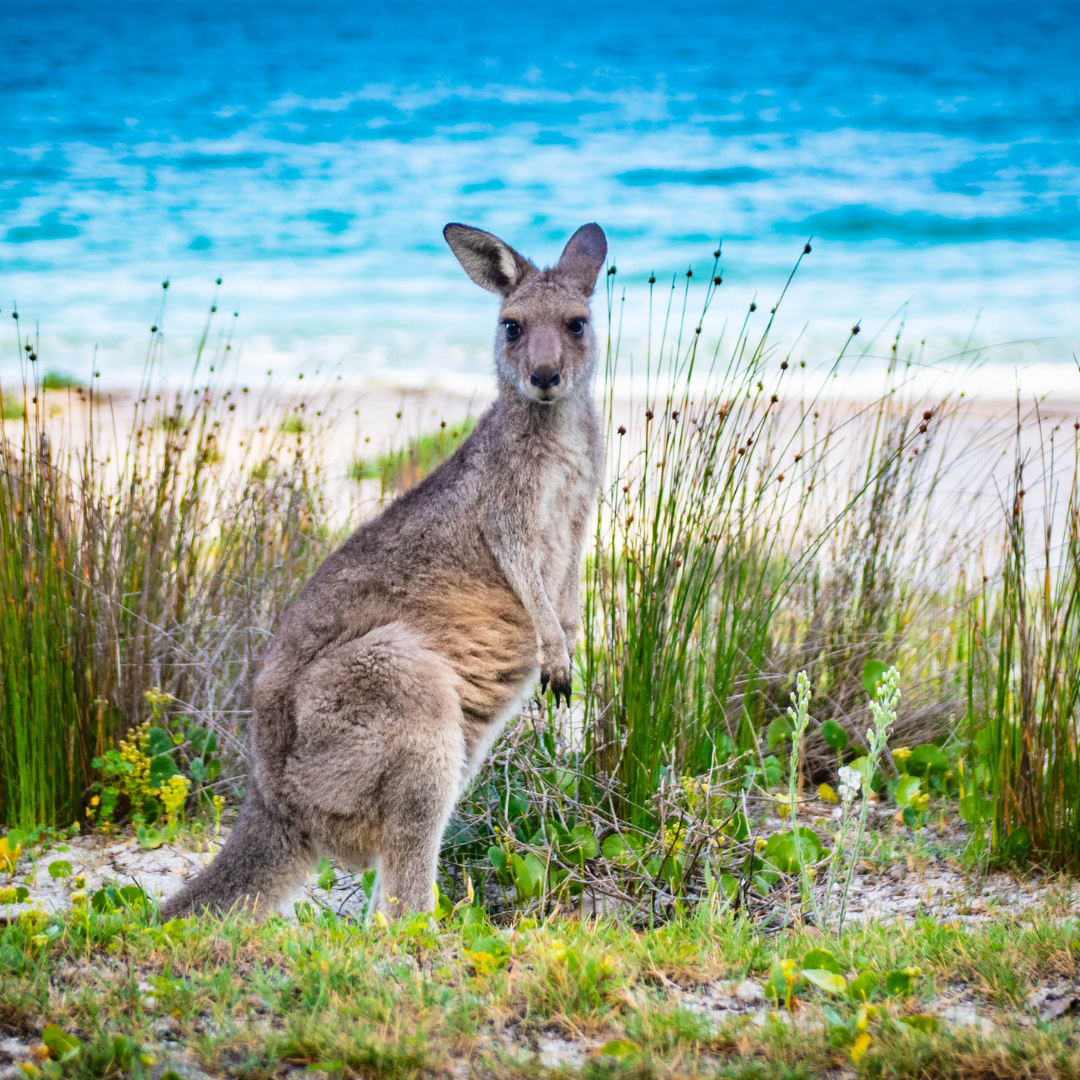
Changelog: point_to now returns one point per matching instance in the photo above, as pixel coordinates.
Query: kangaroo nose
(544, 378)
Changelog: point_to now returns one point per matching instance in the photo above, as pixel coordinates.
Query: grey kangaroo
(401, 659)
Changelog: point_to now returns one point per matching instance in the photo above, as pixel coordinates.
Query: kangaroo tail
(263, 858)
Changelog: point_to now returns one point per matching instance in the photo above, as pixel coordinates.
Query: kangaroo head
(545, 347)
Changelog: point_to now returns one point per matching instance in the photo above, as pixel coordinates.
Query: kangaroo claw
(561, 689)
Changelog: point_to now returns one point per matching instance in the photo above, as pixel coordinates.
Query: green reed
(728, 556)
(159, 557)
(1024, 665)
(44, 704)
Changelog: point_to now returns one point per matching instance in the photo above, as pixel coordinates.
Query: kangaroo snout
(544, 377)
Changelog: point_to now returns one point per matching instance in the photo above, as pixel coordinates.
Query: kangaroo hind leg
(380, 757)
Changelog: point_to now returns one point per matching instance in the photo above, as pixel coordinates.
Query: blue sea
(309, 155)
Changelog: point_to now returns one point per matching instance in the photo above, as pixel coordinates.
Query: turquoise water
(309, 155)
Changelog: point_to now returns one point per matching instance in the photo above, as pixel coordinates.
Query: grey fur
(403, 656)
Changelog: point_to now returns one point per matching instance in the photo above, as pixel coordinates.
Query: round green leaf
(582, 843)
(614, 846)
(159, 741)
(863, 985)
(105, 900)
(829, 981)
(778, 733)
(132, 896)
(772, 771)
(926, 759)
(872, 673)
(823, 959)
(907, 789)
(62, 1046)
(898, 983)
(162, 769)
(1018, 841)
(782, 850)
(834, 735)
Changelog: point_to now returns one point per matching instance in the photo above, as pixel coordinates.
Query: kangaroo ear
(584, 254)
(493, 265)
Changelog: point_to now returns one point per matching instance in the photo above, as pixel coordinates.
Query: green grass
(59, 380)
(294, 424)
(329, 995)
(11, 408)
(398, 470)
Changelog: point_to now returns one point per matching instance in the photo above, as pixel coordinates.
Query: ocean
(309, 155)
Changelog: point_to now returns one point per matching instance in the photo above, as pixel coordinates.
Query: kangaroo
(403, 656)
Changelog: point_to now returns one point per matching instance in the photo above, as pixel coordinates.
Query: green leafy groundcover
(109, 991)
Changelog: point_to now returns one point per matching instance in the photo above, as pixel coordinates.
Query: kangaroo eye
(576, 326)
(512, 330)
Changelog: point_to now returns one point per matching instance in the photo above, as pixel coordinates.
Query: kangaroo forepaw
(561, 687)
(559, 682)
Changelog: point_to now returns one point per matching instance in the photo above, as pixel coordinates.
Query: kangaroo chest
(565, 498)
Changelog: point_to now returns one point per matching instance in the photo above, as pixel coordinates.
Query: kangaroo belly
(489, 641)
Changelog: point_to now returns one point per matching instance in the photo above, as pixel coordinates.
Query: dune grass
(147, 562)
(1024, 666)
